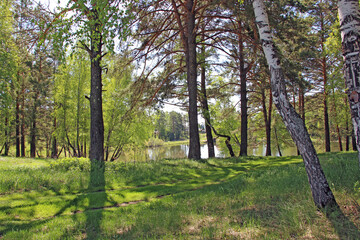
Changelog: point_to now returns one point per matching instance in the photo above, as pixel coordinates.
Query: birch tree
(321, 192)
(349, 16)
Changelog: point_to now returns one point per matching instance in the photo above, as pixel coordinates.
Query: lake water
(181, 151)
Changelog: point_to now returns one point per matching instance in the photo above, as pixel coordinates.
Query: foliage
(72, 111)
(170, 126)
(8, 59)
(77, 20)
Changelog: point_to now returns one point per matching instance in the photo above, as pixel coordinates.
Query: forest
(179, 119)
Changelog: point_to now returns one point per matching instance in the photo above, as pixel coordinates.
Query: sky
(53, 3)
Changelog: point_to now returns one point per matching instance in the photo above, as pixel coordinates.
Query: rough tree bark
(17, 127)
(349, 15)
(33, 128)
(326, 112)
(191, 67)
(6, 145)
(206, 113)
(54, 151)
(323, 63)
(322, 195)
(243, 95)
(267, 120)
(22, 127)
(97, 122)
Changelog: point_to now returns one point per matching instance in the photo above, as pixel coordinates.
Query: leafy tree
(95, 23)
(127, 123)
(8, 59)
(71, 107)
(169, 126)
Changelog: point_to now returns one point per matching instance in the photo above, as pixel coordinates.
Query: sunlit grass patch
(235, 198)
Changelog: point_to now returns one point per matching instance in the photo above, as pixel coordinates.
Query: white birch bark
(349, 15)
(322, 195)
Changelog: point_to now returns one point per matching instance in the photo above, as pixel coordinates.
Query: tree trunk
(22, 140)
(228, 145)
(33, 128)
(326, 113)
(324, 75)
(349, 16)
(339, 137)
(268, 127)
(97, 122)
(85, 150)
(243, 97)
(347, 139)
(191, 67)
(54, 151)
(353, 141)
(302, 103)
(33, 138)
(6, 145)
(277, 142)
(267, 121)
(78, 115)
(321, 192)
(205, 109)
(17, 127)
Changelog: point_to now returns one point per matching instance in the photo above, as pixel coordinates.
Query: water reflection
(181, 151)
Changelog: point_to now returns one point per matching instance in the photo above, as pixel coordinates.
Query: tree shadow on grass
(343, 226)
(97, 197)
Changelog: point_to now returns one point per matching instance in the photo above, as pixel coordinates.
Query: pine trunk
(54, 151)
(349, 16)
(243, 97)
(326, 112)
(339, 137)
(321, 192)
(6, 132)
(206, 113)
(22, 128)
(191, 67)
(17, 127)
(33, 128)
(97, 122)
(267, 121)
(347, 138)
(33, 138)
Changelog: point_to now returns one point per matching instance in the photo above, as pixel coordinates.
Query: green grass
(234, 198)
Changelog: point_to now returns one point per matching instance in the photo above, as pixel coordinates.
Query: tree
(323, 19)
(127, 124)
(95, 24)
(72, 111)
(204, 101)
(349, 16)
(8, 59)
(321, 192)
(188, 37)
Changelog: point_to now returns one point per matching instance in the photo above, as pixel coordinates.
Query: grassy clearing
(235, 198)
